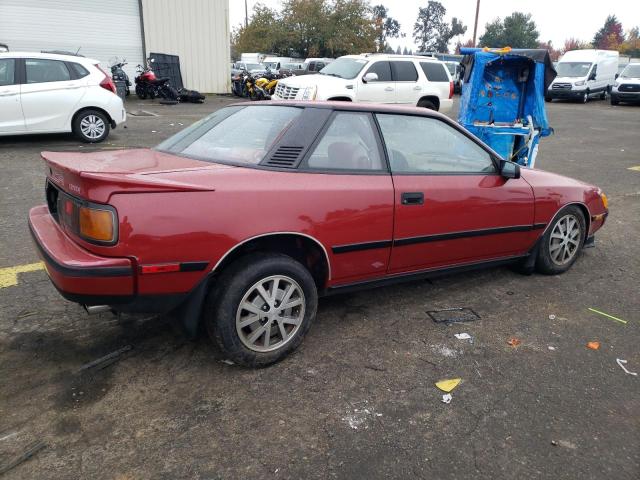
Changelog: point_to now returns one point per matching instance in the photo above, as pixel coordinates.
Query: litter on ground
(622, 364)
(593, 345)
(514, 342)
(446, 398)
(453, 315)
(607, 315)
(463, 336)
(448, 384)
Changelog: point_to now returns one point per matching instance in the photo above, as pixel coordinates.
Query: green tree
(430, 26)
(264, 33)
(516, 31)
(351, 28)
(610, 36)
(398, 50)
(386, 27)
(431, 32)
(631, 46)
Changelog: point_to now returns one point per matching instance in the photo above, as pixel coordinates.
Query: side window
(319, 66)
(7, 71)
(382, 69)
(404, 71)
(434, 72)
(40, 70)
(78, 70)
(312, 67)
(348, 144)
(422, 145)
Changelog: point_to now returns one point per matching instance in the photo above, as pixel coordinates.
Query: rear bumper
(446, 105)
(79, 275)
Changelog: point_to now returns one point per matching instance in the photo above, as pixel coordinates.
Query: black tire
(548, 99)
(141, 92)
(428, 104)
(544, 262)
(614, 100)
(80, 129)
(585, 97)
(236, 281)
(603, 95)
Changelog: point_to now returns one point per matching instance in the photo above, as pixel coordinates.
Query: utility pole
(475, 25)
(246, 15)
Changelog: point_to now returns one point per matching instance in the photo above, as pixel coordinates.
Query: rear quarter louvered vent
(285, 157)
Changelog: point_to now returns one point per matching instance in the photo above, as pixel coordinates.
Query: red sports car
(241, 220)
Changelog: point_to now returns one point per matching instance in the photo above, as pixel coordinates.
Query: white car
(627, 86)
(49, 93)
(400, 79)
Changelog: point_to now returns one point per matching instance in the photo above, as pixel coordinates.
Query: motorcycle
(118, 74)
(148, 85)
(267, 83)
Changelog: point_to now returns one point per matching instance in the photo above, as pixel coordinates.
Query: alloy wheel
(270, 313)
(565, 240)
(92, 127)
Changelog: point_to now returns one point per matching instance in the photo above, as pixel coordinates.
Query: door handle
(388, 89)
(412, 198)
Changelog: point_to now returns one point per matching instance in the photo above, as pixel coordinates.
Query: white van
(584, 73)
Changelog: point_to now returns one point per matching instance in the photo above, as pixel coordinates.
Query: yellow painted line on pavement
(635, 169)
(9, 275)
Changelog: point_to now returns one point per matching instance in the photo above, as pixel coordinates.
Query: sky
(556, 20)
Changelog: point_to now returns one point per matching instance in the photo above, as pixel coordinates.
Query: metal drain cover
(453, 315)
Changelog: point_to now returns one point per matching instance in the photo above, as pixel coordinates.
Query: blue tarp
(502, 91)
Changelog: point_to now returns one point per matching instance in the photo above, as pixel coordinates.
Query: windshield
(222, 136)
(271, 65)
(631, 71)
(573, 69)
(344, 67)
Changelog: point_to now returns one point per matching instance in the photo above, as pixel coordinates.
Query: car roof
(49, 56)
(392, 56)
(350, 106)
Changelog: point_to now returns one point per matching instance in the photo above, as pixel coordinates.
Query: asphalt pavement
(358, 399)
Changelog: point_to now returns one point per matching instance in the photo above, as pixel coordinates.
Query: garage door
(100, 29)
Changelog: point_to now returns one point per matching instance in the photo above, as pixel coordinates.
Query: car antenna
(78, 51)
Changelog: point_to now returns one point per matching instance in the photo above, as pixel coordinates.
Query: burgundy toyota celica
(244, 218)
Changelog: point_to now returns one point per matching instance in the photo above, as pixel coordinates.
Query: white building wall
(198, 32)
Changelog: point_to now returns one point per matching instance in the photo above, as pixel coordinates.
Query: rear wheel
(614, 100)
(262, 309)
(141, 92)
(562, 241)
(91, 126)
(603, 95)
(430, 104)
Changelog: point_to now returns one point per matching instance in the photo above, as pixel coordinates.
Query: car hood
(303, 81)
(541, 178)
(568, 79)
(628, 80)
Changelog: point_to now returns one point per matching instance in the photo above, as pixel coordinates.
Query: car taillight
(450, 89)
(107, 82)
(96, 224)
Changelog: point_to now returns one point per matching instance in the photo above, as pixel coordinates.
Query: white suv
(49, 93)
(380, 78)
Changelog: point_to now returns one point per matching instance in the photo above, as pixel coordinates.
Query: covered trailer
(503, 99)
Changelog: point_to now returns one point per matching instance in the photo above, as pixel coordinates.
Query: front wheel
(585, 96)
(91, 126)
(262, 308)
(428, 104)
(614, 100)
(562, 241)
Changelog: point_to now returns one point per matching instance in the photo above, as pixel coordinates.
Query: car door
(451, 205)
(356, 196)
(49, 95)
(381, 90)
(437, 79)
(11, 117)
(405, 76)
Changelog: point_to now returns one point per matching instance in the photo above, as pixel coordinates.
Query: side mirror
(617, 75)
(509, 169)
(370, 77)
